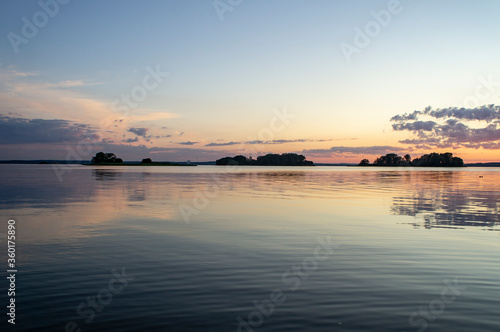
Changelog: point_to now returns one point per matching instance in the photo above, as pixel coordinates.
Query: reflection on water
(449, 199)
(251, 226)
(105, 175)
(435, 198)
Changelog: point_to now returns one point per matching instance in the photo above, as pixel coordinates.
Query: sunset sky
(337, 81)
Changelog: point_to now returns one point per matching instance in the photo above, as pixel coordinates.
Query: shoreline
(147, 165)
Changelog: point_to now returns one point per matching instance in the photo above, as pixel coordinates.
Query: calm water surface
(208, 248)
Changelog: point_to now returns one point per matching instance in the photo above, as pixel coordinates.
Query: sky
(336, 81)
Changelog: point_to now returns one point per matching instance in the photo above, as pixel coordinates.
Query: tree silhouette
(101, 158)
(390, 159)
(427, 160)
(438, 160)
(364, 162)
(285, 159)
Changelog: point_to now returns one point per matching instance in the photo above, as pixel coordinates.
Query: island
(110, 159)
(285, 159)
(427, 160)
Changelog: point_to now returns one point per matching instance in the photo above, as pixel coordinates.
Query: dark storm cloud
(15, 130)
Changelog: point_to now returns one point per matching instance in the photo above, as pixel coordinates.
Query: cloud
(415, 126)
(454, 127)
(181, 154)
(406, 116)
(23, 92)
(356, 150)
(26, 93)
(17, 130)
(483, 113)
(187, 143)
(270, 142)
(223, 144)
(131, 140)
(283, 141)
(138, 131)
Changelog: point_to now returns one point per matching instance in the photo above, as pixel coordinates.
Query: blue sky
(226, 78)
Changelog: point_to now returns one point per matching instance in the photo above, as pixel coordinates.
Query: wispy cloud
(187, 143)
(355, 150)
(223, 144)
(180, 154)
(23, 94)
(270, 142)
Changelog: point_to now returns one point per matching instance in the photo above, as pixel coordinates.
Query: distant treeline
(111, 158)
(106, 158)
(427, 160)
(102, 158)
(285, 159)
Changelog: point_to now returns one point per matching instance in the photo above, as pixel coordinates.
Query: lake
(212, 248)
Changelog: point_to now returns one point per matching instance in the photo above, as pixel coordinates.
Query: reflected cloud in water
(259, 224)
(435, 198)
(449, 199)
(37, 186)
